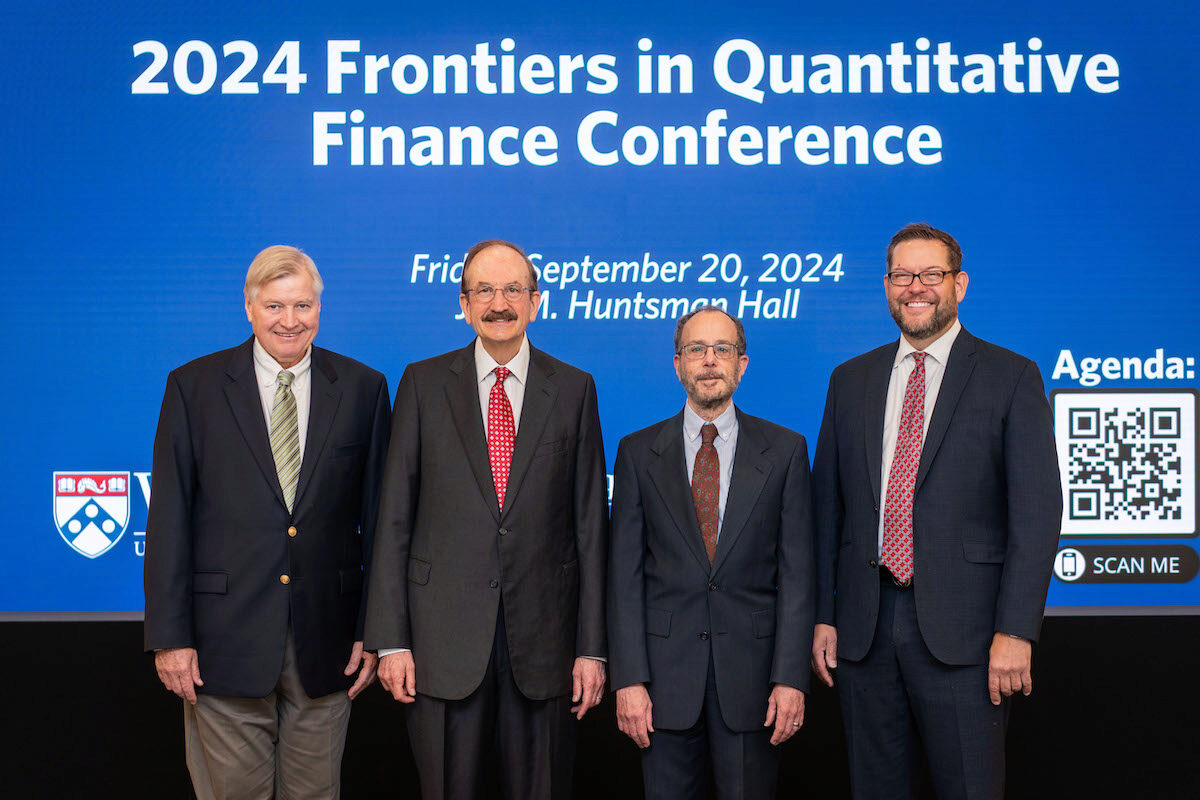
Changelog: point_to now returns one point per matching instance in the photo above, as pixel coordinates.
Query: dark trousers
(745, 765)
(900, 704)
(532, 741)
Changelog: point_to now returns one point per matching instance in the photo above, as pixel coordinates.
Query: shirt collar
(518, 367)
(939, 349)
(693, 422)
(268, 368)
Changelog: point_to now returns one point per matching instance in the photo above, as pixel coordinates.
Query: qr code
(1128, 461)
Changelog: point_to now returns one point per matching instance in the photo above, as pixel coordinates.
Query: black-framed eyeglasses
(695, 351)
(929, 277)
(512, 292)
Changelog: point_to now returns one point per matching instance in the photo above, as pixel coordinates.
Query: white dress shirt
(266, 372)
(725, 443)
(514, 387)
(936, 356)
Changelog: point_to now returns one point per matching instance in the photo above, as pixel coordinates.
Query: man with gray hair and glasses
(710, 591)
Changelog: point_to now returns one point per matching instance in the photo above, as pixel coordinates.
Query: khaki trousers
(284, 745)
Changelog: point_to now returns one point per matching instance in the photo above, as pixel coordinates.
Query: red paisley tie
(897, 553)
(500, 434)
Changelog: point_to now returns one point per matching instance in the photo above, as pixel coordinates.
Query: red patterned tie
(706, 488)
(501, 433)
(897, 553)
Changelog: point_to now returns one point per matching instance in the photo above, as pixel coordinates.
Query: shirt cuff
(387, 651)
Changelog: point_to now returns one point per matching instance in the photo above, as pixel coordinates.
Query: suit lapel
(959, 367)
(540, 395)
(669, 474)
(750, 471)
(876, 379)
(462, 395)
(241, 391)
(324, 397)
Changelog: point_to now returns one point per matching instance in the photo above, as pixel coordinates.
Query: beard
(715, 397)
(944, 314)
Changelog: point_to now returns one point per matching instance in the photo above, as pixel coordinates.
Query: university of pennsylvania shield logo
(91, 509)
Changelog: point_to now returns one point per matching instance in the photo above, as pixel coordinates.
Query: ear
(535, 300)
(743, 362)
(249, 318)
(679, 367)
(464, 303)
(960, 285)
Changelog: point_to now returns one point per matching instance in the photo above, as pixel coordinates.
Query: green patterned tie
(285, 437)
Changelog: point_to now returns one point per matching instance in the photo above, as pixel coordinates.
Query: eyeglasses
(930, 277)
(697, 350)
(512, 292)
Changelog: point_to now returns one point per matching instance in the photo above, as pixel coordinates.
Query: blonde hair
(280, 261)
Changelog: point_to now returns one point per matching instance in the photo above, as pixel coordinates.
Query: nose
(288, 318)
(710, 356)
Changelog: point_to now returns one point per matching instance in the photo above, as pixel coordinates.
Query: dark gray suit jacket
(986, 507)
(217, 537)
(447, 556)
(752, 608)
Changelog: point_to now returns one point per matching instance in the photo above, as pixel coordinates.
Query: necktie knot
(919, 359)
(284, 379)
(708, 433)
(502, 373)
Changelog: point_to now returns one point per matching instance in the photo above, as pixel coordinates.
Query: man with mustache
(487, 594)
(710, 580)
(938, 505)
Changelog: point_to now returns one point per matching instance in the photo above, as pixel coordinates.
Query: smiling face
(922, 312)
(500, 322)
(710, 381)
(285, 314)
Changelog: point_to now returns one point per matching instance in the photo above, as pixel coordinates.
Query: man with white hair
(267, 464)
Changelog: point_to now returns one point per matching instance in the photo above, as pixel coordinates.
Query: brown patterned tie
(706, 488)
(897, 554)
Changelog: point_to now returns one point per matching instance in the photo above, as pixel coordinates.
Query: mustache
(506, 315)
(706, 375)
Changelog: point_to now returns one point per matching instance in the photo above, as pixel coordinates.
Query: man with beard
(487, 582)
(710, 595)
(938, 505)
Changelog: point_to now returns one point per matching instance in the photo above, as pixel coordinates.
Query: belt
(886, 578)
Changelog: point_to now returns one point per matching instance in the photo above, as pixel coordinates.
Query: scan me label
(1126, 564)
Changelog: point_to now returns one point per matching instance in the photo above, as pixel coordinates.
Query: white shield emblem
(91, 509)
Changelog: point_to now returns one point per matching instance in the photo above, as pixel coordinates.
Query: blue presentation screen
(650, 157)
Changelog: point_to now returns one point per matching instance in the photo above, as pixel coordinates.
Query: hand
(633, 714)
(398, 674)
(785, 710)
(824, 654)
(179, 670)
(1009, 667)
(587, 679)
(367, 676)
